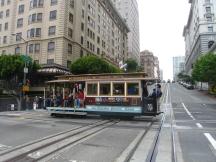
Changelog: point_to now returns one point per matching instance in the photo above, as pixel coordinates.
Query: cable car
(119, 94)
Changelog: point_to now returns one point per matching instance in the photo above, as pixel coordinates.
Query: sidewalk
(20, 113)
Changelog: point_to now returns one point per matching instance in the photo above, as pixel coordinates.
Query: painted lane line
(199, 125)
(188, 112)
(211, 139)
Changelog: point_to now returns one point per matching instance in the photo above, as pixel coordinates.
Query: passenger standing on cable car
(81, 98)
(156, 94)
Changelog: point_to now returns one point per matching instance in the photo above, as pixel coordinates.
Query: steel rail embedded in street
(20, 153)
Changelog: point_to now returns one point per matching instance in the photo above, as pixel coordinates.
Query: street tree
(92, 65)
(132, 65)
(186, 78)
(205, 69)
(11, 67)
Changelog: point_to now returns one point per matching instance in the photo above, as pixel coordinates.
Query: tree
(185, 78)
(132, 65)
(92, 65)
(205, 68)
(11, 66)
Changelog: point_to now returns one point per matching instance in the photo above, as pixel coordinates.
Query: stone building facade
(129, 11)
(61, 31)
(200, 31)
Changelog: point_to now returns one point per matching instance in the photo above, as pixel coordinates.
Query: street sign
(26, 58)
(25, 70)
(25, 88)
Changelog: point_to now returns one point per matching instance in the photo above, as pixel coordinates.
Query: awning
(53, 70)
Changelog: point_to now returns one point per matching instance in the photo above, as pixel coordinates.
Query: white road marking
(199, 125)
(211, 139)
(4, 147)
(188, 112)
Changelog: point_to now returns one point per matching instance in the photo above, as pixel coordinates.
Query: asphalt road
(189, 115)
(195, 123)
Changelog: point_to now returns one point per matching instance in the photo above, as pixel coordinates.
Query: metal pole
(24, 77)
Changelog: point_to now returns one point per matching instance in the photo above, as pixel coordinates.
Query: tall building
(178, 66)
(129, 11)
(200, 31)
(161, 74)
(147, 63)
(60, 31)
(157, 68)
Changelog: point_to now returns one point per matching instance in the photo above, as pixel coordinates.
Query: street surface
(185, 132)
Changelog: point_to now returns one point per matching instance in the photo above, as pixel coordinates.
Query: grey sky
(161, 28)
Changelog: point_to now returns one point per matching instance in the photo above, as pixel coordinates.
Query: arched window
(210, 43)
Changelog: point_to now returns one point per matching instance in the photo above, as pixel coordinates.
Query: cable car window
(118, 89)
(132, 89)
(105, 89)
(92, 89)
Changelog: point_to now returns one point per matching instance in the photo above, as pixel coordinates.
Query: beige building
(60, 31)
(150, 64)
(156, 67)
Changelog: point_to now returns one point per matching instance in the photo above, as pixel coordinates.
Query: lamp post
(25, 69)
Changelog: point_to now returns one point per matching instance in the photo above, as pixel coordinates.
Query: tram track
(42, 148)
(127, 155)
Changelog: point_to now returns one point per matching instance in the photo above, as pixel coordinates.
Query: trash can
(34, 105)
(12, 107)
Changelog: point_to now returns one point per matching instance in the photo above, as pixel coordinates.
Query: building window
(50, 61)
(82, 40)
(19, 22)
(6, 26)
(208, 9)
(83, 14)
(210, 28)
(52, 30)
(81, 53)
(51, 46)
(98, 51)
(1, 14)
(38, 32)
(35, 18)
(37, 47)
(71, 17)
(18, 36)
(36, 61)
(4, 39)
(17, 50)
(8, 2)
(21, 9)
(36, 3)
(69, 48)
(72, 3)
(68, 64)
(0, 27)
(31, 48)
(82, 26)
(53, 15)
(210, 43)
(2, 2)
(209, 18)
(70, 32)
(7, 13)
(54, 2)
(39, 17)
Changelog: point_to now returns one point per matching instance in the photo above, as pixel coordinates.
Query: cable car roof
(103, 77)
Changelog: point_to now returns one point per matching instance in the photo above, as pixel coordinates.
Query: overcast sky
(161, 28)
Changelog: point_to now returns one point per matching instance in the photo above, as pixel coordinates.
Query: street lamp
(25, 70)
